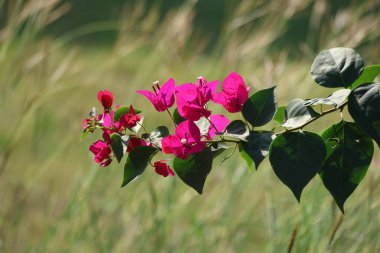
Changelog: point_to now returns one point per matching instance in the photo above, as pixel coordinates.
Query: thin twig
(315, 118)
(224, 140)
(171, 116)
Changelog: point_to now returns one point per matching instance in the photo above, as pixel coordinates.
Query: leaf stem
(248, 125)
(171, 116)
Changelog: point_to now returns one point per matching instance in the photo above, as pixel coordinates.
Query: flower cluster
(192, 105)
(128, 121)
(197, 128)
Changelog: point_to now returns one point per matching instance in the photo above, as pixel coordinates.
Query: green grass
(54, 198)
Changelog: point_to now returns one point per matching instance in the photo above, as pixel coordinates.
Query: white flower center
(184, 141)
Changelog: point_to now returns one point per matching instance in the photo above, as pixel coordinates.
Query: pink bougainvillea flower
(206, 89)
(107, 119)
(163, 97)
(135, 142)
(218, 124)
(102, 152)
(186, 141)
(234, 93)
(106, 99)
(192, 98)
(163, 169)
(193, 111)
(129, 120)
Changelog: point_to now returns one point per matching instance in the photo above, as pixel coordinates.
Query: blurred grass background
(55, 56)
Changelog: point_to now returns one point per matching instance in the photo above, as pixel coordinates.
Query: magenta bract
(234, 93)
(163, 97)
(106, 99)
(163, 169)
(186, 141)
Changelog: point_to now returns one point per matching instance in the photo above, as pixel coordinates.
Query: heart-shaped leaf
(194, 170)
(297, 114)
(364, 107)
(260, 107)
(369, 74)
(256, 148)
(337, 67)
(349, 154)
(123, 110)
(336, 99)
(137, 162)
(296, 158)
(237, 129)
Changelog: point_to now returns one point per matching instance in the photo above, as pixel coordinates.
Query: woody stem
(339, 108)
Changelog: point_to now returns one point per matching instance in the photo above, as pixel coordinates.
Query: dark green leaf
(136, 163)
(349, 154)
(369, 74)
(296, 158)
(279, 116)
(337, 67)
(194, 170)
(297, 114)
(123, 110)
(256, 147)
(117, 146)
(237, 129)
(364, 107)
(260, 107)
(177, 117)
(336, 99)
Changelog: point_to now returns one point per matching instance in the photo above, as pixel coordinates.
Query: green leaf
(349, 154)
(337, 67)
(260, 107)
(137, 162)
(279, 116)
(247, 158)
(237, 129)
(123, 110)
(84, 134)
(297, 114)
(177, 117)
(194, 170)
(296, 158)
(364, 107)
(369, 74)
(117, 146)
(336, 99)
(256, 147)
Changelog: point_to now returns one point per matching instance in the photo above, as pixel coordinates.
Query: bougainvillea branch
(340, 155)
